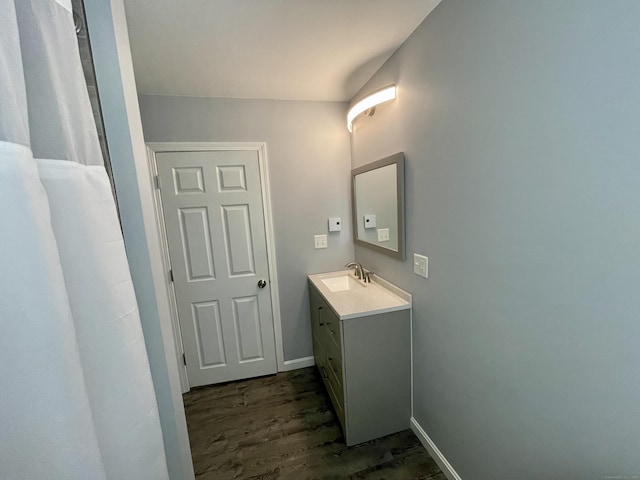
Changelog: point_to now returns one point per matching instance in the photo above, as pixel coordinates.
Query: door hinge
(171, 275)
(157, 181)
(184, 359)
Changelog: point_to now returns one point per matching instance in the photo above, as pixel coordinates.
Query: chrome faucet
(358, 270)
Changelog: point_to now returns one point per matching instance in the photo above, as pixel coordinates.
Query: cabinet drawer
(333, 354)
(328, 343)
(317, 349)
(334, 387)
(337, 399)
(317, 306)
(323, 320)
(331, 324)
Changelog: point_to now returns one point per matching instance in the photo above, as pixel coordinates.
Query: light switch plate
(320, 241)
(421, 265)
(370, 220)
(335, 225)
(383, 234)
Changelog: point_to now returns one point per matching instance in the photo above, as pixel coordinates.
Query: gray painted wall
(309, 168)
(521, 126)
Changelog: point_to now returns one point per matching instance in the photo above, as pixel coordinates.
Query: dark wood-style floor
(283, 427)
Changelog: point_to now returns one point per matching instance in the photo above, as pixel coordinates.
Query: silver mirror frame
(398, 160)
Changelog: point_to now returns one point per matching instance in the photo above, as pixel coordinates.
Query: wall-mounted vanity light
(370, 102)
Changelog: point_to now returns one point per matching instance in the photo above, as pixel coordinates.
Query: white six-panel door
(213, 213)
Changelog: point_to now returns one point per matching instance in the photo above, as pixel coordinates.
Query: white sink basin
(349, 298)
(341, 283)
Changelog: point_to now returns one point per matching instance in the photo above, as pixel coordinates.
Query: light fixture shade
(376, 98)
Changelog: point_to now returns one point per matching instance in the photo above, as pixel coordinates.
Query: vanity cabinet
(365, 365)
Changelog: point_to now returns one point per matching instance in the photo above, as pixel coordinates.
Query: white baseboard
(435, 453)
(297, 363)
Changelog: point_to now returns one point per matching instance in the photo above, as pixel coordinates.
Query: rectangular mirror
(378, 205)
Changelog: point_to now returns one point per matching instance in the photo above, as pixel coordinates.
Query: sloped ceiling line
(277, 49)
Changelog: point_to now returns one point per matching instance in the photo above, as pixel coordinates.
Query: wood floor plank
(282, 427)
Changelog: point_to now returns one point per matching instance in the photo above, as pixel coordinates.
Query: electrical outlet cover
(421, 265)
(320, 241)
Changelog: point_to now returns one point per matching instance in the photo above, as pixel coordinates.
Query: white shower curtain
(76, 397)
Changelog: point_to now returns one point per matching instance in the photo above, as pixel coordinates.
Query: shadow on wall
(364, 72)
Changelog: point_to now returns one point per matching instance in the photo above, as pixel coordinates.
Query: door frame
(260, 148)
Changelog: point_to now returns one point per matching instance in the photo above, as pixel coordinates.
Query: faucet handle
(367, 276)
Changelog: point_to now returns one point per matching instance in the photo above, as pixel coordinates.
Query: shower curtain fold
(76, 397)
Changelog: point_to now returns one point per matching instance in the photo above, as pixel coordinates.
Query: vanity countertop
(361, 298)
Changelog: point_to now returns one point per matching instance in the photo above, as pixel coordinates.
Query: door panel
(248, 333)
(212, 207)
(239, 242)
(231, 178)
(208, 328)
(188, 180)
(198, 257)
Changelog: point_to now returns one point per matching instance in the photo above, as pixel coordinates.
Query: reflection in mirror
(377, 208)
(378, 205)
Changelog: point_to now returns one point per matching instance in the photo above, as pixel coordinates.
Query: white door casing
(214, 215)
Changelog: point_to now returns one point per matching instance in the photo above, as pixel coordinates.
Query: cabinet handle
(324, 373)
(319, 314)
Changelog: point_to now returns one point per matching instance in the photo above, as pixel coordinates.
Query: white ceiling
(282, 49)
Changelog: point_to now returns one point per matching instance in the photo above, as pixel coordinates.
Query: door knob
(262, 283)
